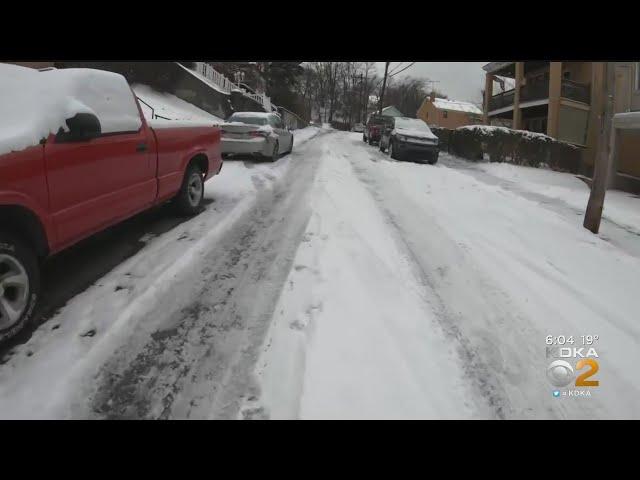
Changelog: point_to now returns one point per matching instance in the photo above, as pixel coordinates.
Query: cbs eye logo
(560, 373)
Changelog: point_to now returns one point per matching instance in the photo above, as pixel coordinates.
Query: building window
(566, 75)
(445, 114)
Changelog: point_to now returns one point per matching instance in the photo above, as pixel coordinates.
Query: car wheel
(19, 285)
(274, 155)
(191, 195)
(364, 138)
(392, 150)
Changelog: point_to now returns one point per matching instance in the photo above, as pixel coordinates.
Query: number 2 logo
(582, 381)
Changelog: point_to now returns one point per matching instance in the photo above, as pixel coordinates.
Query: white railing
(227, 85)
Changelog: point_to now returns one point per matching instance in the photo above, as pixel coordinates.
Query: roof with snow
(442, 104)
(392, 111)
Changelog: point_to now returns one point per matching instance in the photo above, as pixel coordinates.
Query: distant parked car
(373, 130)
(256, 133)
(358, 127)
(410, 138)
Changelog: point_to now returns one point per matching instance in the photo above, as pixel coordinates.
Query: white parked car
(358, 127)
(256, 133)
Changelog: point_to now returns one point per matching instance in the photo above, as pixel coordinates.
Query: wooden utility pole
(603, 159)
(361, 98)
(384, 86)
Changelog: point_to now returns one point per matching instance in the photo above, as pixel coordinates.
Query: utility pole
(603, 161)
(361, 98)
(365, 96)
(384, 86)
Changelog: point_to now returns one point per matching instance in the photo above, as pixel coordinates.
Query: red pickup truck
(102, 164)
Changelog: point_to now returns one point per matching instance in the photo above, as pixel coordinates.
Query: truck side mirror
(82, 127)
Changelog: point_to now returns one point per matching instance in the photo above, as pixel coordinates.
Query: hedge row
(500, 144)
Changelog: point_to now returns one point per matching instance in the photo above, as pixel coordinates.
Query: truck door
(94, 183)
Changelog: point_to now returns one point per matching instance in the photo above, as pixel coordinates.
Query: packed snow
(36, 104)
(338, 283)
(620, 207)
(485, 273)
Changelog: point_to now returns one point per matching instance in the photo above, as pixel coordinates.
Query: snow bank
(170, 106)
(35, 104)
(620, 207)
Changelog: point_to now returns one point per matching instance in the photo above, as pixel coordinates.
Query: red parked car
(373, 130)
(102, 164)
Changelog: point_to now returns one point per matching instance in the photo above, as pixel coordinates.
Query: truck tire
(364, 138)
(19, 285)
(370, 140)
(191, 195)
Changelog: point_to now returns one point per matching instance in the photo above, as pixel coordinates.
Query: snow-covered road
(337, 283)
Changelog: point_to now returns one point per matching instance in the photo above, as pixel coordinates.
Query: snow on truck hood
(34, 104)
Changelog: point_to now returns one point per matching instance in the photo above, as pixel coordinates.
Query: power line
(408, 66)
(395, 68)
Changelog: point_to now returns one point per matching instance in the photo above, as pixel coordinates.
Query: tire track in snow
(487, 385)
(199, 365)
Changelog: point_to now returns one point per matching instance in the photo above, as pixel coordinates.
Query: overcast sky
(458, 80)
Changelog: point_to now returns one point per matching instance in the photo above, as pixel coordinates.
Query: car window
(276, 122)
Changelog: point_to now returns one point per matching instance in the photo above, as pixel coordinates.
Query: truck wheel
(19, 285)
(382, 149)
(189, 199)
(370, 141)
(364, 138)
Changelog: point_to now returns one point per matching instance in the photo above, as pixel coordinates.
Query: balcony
(578, 92)
(502, 100)
(570, 90)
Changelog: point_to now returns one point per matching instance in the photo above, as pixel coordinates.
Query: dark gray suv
(410, 138)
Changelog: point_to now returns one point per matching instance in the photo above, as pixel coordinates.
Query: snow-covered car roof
(34, 104)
